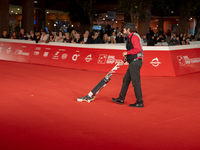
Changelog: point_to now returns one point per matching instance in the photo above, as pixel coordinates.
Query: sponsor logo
(181, 60)
(36, 53)
(64, 56)
(155, 62)
(47, 48)
(23, 46)
(185, 60)
(20, 52)
(112, 60)
(75, 57)
(45, 54)
(88, 58)
(8, 50)
(38, 48)
(55, 55)
(102, 59)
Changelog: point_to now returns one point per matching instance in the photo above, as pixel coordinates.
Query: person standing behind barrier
(67, 39)
(134, 56)
(43, 37)
(173, 40)
(86, 39)
(112, 40)
(14, 35)
(119, 38)
(106, 39)
(77, 39)
(73, 33)
(96, 39)
(5, 35)
(32, 36)
(60, 37)
(22, 35)
(151, 41)
(37, 36)
(187, 41)
(54, 34)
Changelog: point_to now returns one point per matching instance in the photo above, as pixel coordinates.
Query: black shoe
(118, 100)
(139, 105)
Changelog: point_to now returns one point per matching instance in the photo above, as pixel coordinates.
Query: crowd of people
(171, 38)
(68, 37)
(95, 38)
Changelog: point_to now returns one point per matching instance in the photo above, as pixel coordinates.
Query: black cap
(129, 25)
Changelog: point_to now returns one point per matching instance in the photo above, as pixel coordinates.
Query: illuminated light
(72, 25)
(103, 18)
(135, 6)
(172, 12)
(63, 25)
(106, 15)
(54, 25)
(11, 11)
(16, 13)
(18, 9)
(113, 19)
(116, 21)
(48, 23)
(177, 24)
(191, 18)
(35, 2)
(47, 12)
(95, 14)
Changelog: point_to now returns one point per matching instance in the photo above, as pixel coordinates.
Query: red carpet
(39, 111)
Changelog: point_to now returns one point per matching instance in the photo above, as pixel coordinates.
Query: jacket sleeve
(136, 45)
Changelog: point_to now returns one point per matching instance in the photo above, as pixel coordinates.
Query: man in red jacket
(134, 56)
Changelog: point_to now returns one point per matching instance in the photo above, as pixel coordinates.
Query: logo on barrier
(155, 62)
(110, 60)
(88, 58)
(75, 57)
(45, 54)
(185, 60)
(102, 59)
(20, 52)
(8, 50)
(56, 55)
(38, 48)
(64, 56)
(181, 60)
(36, 53)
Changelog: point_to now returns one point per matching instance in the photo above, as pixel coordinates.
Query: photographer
(173, 40)
(96, 39)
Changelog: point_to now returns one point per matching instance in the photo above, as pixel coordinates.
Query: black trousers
(133, 74)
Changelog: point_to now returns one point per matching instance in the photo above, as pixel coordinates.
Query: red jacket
(136, 45)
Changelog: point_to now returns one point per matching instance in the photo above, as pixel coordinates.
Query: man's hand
(121, 63)
(124, 53)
